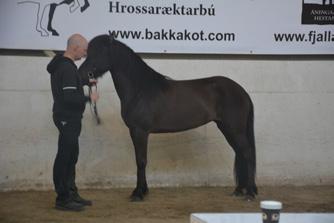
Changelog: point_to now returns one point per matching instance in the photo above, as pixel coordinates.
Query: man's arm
(72, 95)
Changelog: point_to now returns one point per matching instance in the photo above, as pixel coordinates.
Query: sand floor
(162, 205)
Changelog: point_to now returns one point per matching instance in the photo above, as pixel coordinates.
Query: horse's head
(98, 60)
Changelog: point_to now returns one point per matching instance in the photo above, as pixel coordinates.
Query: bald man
(68, 107)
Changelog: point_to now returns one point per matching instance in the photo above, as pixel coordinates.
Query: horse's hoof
(256, 191)
(145, 191)
(238, 193)
(55, 33)
(249, 198)
(136, 198)
(137, 195)
(43, 33)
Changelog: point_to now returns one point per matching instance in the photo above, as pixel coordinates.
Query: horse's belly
(181, 118)
(187, 105)
(176, 128)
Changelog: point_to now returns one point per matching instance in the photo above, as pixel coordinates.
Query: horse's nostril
(90, 75)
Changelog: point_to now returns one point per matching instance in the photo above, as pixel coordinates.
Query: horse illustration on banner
(49, 7)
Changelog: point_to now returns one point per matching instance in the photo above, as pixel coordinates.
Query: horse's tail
(251, 139)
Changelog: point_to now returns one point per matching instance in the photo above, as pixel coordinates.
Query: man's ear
(111, 36)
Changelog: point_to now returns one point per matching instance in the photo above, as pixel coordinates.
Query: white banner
(167, 26)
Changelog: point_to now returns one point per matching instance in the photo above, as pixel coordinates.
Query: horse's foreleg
(139, 139)
(53, 7)
(74, 6)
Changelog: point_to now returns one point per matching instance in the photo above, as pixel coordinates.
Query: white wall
(294, 107)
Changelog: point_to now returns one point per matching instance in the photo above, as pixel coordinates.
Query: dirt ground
(162, 205)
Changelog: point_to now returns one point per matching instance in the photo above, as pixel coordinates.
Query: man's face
(81, 51)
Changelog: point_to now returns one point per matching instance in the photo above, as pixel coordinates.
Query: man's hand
(94, 96)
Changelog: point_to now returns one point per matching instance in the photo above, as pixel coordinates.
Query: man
(68, 107)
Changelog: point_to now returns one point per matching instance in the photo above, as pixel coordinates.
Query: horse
(51, 5)
(153, 103)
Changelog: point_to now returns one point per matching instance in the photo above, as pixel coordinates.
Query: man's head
(76, 47)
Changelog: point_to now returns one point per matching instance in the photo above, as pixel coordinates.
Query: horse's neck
(125, 88)
(124, 76)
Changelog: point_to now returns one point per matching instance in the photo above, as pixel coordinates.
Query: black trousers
(67, 157)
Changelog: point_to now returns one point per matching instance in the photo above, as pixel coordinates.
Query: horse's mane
(138, 71)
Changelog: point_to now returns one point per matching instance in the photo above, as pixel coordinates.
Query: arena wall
(294, 126)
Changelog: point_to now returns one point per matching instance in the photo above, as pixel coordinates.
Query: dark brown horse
(152, 103)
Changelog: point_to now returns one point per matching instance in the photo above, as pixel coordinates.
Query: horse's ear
(111, 36)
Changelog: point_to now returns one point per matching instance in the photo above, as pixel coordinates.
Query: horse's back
(187, 104)
(216, 94)
(210, 87)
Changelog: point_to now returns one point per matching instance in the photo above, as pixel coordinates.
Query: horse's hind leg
(39, 26)
(240, 168)
(85, 6)
(139, 139)
(245, 166)
(237, 135)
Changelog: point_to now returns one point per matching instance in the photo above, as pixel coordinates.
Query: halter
(93, 107)
(91, 76)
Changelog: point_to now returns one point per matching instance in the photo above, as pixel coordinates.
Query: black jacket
(67, 89)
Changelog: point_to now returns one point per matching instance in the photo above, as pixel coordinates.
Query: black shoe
(77, 198)
(69, 206)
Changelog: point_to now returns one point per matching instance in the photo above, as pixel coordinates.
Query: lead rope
(93, 107)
